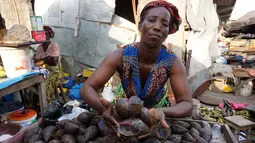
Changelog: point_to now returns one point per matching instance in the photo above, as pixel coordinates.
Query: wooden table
(37, 80)
(238, 123)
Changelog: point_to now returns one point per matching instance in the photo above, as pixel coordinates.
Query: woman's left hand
(156, 115)
(39, 63)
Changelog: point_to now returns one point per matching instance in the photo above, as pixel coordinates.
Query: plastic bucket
(16, 61)
(24, 117)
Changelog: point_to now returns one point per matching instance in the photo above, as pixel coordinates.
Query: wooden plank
(240, 73)
(42, 97)
(33, 89)
(16, 45)
(22, 84)
(239, 121)
(228, 134)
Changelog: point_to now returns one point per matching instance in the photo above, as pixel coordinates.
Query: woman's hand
(251, 72)
(156, 115)
(39, 63)
(109, 112)
(52, 61)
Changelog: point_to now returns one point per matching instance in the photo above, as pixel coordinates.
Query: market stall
(75, 122)
(17, 76)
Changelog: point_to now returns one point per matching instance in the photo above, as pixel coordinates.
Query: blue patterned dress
(154, 93)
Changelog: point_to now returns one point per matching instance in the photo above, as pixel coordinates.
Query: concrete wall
(15, 14)
(87, 31)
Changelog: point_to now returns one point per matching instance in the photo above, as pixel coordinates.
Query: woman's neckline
(47, 47)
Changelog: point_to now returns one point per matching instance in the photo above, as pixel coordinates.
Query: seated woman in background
(48, 55)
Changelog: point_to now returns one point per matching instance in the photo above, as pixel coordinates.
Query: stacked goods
(90, 127)
(37, 28)
(240, 45)
(215, 115)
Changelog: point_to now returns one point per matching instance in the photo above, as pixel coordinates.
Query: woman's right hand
(39, 63)
(109, 112)
(251, 72)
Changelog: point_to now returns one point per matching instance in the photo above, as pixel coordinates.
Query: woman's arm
(52, 61)
(97, 80)
(38, 62)
(179, 83)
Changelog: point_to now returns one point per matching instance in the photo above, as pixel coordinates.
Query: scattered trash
(75, 91)
(8, 97)
(70, 83)
(221, 60)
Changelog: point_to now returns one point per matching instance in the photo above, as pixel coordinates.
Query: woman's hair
(49, 31)
(175, 17)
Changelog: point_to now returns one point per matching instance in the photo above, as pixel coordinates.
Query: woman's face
(155, 26)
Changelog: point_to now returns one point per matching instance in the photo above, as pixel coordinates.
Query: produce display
(90, 127)
(215, 114)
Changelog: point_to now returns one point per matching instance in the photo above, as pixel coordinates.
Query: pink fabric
(235, 105)
(53, 51)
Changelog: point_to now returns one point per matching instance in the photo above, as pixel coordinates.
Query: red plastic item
(38, 35)
(235, 105)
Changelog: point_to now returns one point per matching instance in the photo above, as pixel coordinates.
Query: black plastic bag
(53, 111)
(84, 105)
(66, 110)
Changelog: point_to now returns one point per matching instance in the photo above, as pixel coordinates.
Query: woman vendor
(48, 54)
(145, 67)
